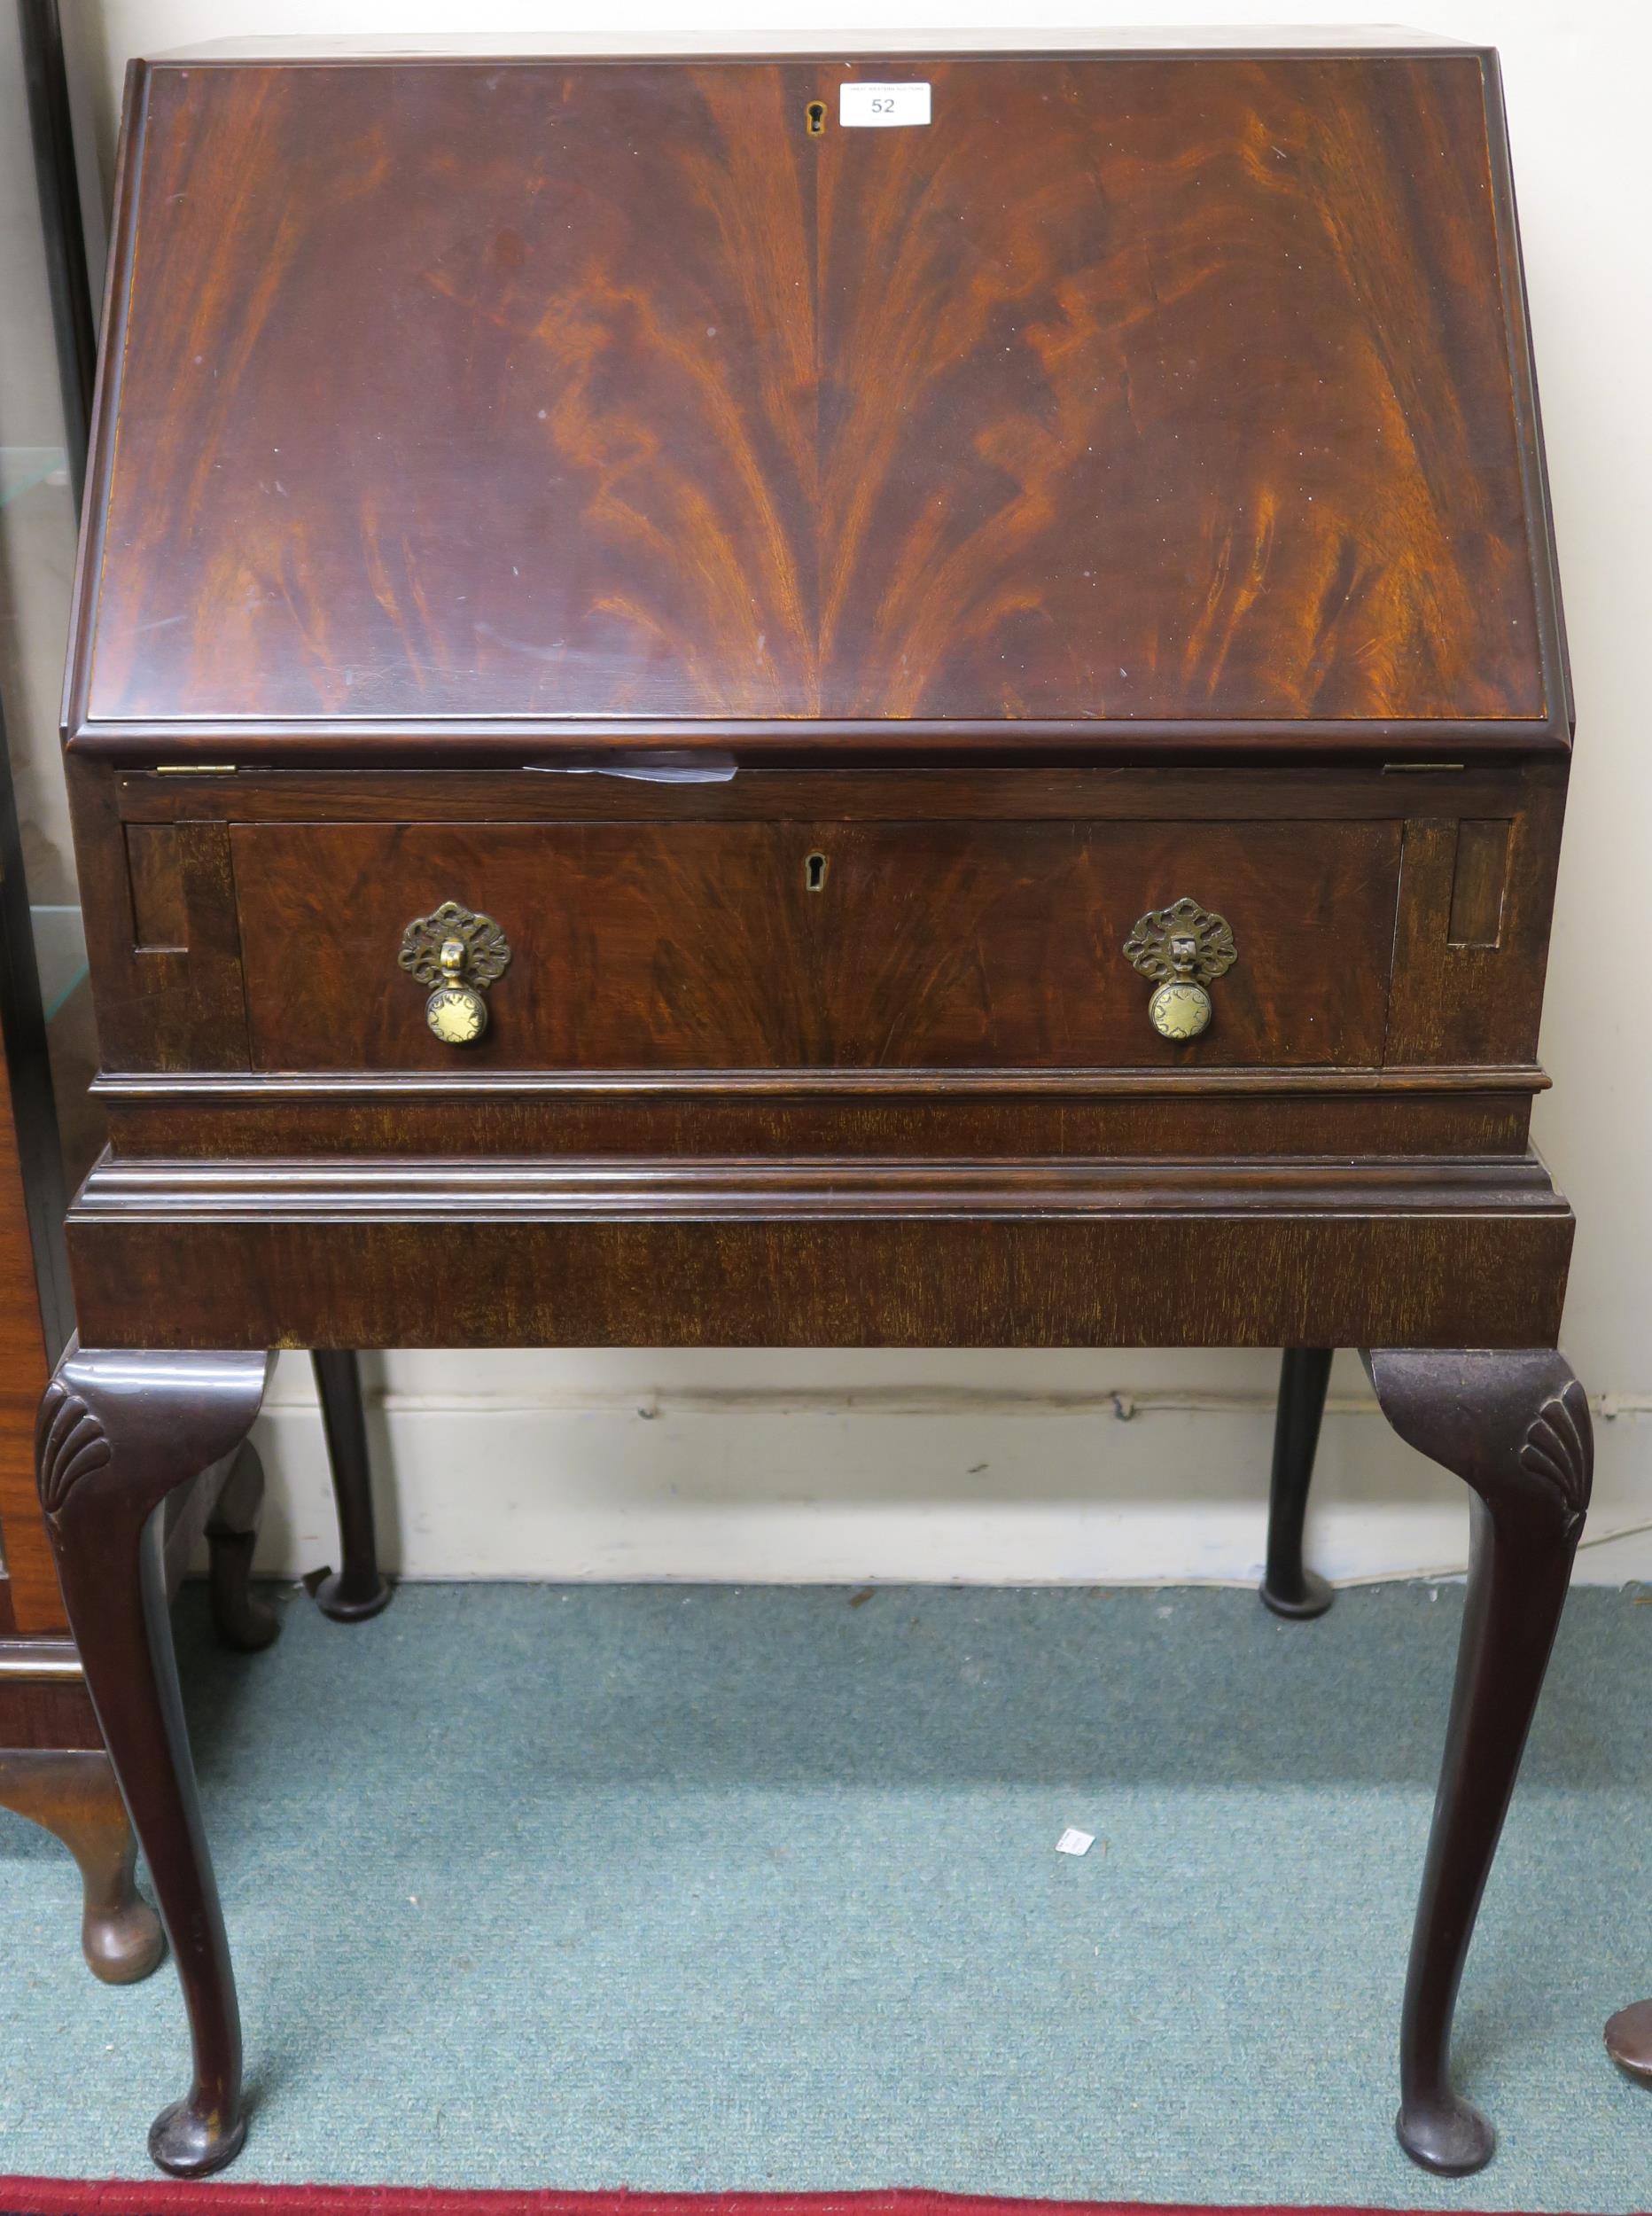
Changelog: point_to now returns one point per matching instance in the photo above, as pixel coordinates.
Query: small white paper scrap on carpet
(1072, 1842)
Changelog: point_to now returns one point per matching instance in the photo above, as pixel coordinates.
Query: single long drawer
(836, 945)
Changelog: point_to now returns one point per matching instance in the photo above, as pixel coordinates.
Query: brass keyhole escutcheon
(814, 116)
(456, 952)
(1182, 949)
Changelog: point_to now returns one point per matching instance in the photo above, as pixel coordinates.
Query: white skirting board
(985, 1468)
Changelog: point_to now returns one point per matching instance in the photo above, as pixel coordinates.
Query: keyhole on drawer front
(817, 114)
(815, 873)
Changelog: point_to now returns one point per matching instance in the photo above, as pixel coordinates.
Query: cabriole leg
(71, 1793)
(356, 1589)
(118, 1431)
(1288, 1588)
(1515, 1427)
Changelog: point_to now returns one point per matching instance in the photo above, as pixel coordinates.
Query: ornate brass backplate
(456, 952)
(1182, 949)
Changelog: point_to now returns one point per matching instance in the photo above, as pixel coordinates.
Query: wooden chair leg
(1515, 1427)
(118, 1431)
(71, 1793)
(1288, 1588)
(241, 1621)
(355, 1590)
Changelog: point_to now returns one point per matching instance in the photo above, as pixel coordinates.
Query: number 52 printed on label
(881, 107)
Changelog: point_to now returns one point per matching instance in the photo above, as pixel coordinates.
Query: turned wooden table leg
(118, 1431)
(355, 1590)
(72, 1793)
(1515, 1427)
(1289, 1589)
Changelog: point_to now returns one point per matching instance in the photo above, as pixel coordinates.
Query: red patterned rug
(165, 2197)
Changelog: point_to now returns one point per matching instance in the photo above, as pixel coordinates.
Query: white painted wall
(1074, 1466)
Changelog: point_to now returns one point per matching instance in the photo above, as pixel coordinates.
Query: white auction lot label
(882, 106)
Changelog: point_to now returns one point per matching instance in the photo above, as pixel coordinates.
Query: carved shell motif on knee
(70, 1444)
(1559, 1446)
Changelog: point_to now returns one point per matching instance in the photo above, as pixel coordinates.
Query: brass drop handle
(1183, 949)
(456, 952)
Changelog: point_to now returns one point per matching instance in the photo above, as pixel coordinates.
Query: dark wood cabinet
(689, 722)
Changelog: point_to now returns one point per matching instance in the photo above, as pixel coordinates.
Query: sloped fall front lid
(1129, 389)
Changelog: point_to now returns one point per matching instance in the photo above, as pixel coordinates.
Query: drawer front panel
(833, 945)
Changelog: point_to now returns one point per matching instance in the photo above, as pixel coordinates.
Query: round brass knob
(1181, 948)
(456, 952)
(456, 1011)
(1180, 1009)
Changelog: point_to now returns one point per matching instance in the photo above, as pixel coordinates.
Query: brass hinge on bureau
(195, 770)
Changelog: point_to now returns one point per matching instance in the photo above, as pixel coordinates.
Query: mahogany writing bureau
(895, 701)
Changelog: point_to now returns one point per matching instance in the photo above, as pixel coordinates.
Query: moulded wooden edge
(829, 1188)
(365, 1253)
(202, 1088)
(519, 743)
(1208, 43)
(40, 1661)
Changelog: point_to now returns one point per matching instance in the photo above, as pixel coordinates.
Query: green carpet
(694, 1887)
